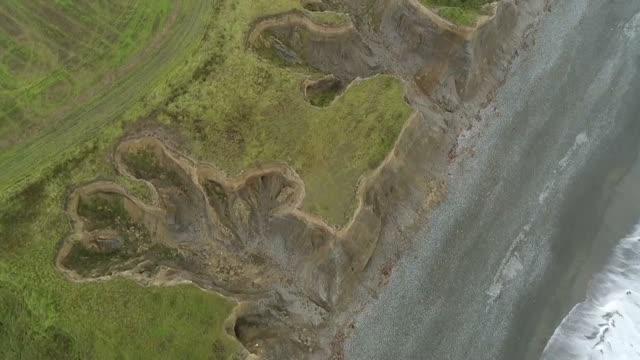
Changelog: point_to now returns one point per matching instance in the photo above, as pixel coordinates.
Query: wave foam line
(607, 324)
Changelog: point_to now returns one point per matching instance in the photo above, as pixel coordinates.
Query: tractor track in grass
(166, 51)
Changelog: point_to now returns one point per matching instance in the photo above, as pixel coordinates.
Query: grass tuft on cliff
(460, 12)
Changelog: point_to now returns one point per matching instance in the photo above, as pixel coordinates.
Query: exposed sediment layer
(296, 279)
(450, 64)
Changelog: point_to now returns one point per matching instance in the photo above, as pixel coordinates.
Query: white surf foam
(632, 28)
(607, 324)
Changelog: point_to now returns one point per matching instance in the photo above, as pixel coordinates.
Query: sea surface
(607, 324)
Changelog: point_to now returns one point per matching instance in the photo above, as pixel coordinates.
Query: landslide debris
(245, 238)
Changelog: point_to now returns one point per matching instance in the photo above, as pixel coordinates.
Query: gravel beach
(552, 188)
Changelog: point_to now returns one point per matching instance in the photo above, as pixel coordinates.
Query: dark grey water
(538, 211)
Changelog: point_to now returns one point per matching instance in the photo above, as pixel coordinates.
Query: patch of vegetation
(461, 12)
(15, 220)
(323, 98)
(112, 321)
(459, 16)
(104, 212)
(28, 341)
(128, 239)
(145, 165)
(323, 93)
(136, 188)
(89, 263)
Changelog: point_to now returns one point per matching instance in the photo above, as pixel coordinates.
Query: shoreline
(500, 223)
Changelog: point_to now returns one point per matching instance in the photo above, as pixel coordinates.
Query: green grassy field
(183, 64)
(53, 52)
(461, 12)
(53, 136)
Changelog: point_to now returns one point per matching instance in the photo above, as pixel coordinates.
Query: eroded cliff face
(297, 280)
(450, 64)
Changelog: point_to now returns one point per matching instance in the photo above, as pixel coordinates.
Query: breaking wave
(607, 324)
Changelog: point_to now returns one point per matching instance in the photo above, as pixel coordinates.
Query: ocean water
(607, 324)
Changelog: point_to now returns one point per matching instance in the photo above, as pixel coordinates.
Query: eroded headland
(296, 204)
